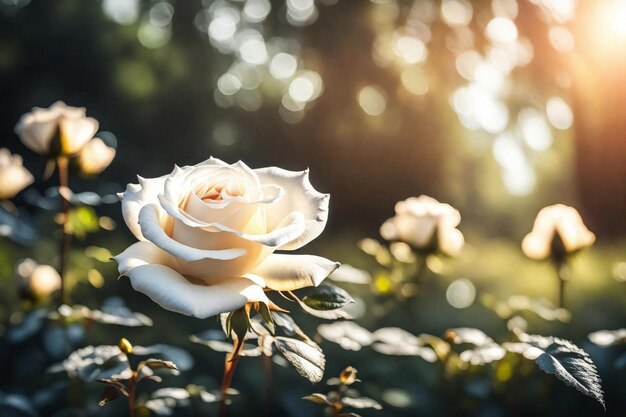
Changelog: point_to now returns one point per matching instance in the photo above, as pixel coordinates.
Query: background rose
(13, 176)
(425, 224)
(558, 230)
(35, 280)
(208, 234)
(58, 129)
(94, 157)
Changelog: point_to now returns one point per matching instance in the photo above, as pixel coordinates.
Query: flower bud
(558, 232)
(425, 224)
(125, 346)
(348, 376)
(13, 176)
(95, 157)
(37, 281)
(57, 130)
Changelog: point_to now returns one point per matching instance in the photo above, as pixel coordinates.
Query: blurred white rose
(425, 224)
(95, 157)
(38, 281)
(208, 234)
(58, 129)
(558, 230)
(13, 176)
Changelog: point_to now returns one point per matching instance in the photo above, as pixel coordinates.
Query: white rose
(39, 281)
(425, 224)
(558, 230)
(95, 157)
(13, 176)
(208, 234)
(59, 129)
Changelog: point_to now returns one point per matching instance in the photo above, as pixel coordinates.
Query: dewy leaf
(307, 358)
(572, 365)
(327, 297)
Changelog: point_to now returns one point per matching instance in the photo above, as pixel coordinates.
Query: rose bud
(13, 176)
(207, 236)
(37, 281)
(95, 157)
(426, 224)
(558, 231)
(57, 130)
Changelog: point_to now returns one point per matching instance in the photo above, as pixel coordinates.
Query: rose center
(215, 193)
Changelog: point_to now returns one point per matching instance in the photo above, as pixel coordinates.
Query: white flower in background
(425, 224)
(59, 129)
(13, 176)
(39, 281)
(558, 230)
(95, 157)
(208, 234)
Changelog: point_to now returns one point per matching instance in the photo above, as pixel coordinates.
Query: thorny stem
(65, 238)
(229, 370)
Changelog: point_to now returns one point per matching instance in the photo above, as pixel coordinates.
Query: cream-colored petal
(152, 230)
(138, 195)
(290, 272)
(76, 132)
(140, 254)
(13, 176)
(36, 135)
(536, 246)
(95, 157)
(174, 292)
(300, 196)
(451, 241)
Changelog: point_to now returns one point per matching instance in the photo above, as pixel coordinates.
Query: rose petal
(76, 132)
(300, 196)
(36, 135)
(140, 254)
(173, 292)
(153, 231)
(136, 197)
(290, 272)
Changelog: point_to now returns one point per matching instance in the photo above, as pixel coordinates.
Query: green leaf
(318, 399)
(327, 297)
(565, 360)
(238, 322)
(265, 312)
(307, 358)
(159, 364)
(110, 393)
(361, 402)
(608, 337)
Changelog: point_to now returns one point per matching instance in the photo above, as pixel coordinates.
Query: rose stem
(421, 268)
(132, 384)
(229, 370)
(563, 275)
(65, 238)
(269, 380)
